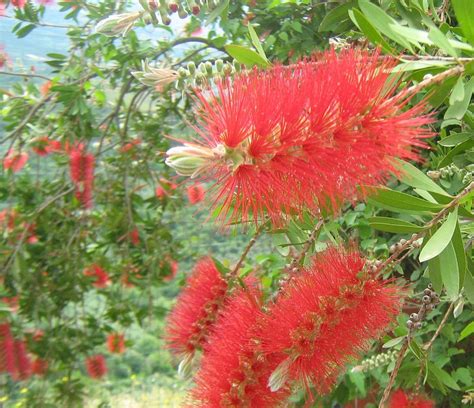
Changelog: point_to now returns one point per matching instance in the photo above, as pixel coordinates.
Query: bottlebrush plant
(271, 199)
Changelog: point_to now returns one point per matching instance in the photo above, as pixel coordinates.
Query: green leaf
(332, 19)
(443, 376)
(246, 56)
(440, 40)
(464, 10)
(450, 271)
(458, 149)
(434, 272)
(401, 202)
(256, 42)
(393, 342)
(383, 22)
(369, 30)
(467, 331)
(220, 9)
(458, 246)
(417, 179)
(24, 31)
(441, 238)
(458, 109)
(394, 225)
(457, 94)
(455, 138)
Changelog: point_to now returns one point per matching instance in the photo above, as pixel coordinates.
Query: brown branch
(295, 264)
(440, 327)
(395, 257)
(18, 74)
(247, 249)
(393, 375)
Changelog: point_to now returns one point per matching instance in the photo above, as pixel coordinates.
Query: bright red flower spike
(116, 343)
(7, 350)
(101, 277)
(39, 366)
(22, 360)
(400, 399)
(325, 317)
(81, 165)
(15, 160)
(44, 146)
(96, 366)
(299, 137)
(196, 309)
(195, 193)
(233, 370)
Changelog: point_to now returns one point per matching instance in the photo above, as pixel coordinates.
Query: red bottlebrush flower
(15, 160)
(23, 362)
(81, 166)
(325, 317)
(400, 399)
(196, 309)
(134, 236)
(7, 350)
(19, 3)
(160, 192)
(12, 302)
(7, 219)
(299, 137)
(116, 343)
(39, 366)
(44, 146)
(130, 145)
(173, 267)
(46, 86)
(101, 277)
(233, 371)
(195, 193)
(96, 366)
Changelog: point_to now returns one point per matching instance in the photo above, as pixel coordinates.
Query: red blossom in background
(7, 350)
(400, 399)
(300, 137)
(325, 317)
(196, 309)
(18, 3)
(7, 219)
(96, 366)
(46, 86)
(101, 277)
(39, 366)
(22, 361)
(195, 193)
(134, 236)
(173, 268)
(43, 146)
(116, 343)
(81, 165)
(233, 371)
(15, 160)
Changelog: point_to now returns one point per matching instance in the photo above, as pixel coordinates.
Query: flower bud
(191, 67)
(237, 66)
(118, 24)
(219, 65)
(208, 66)
(189, 160)
(183, 73)
(426, 299)
(173, 6)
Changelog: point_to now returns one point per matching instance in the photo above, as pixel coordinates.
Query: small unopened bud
(227, 70)
(430, 286)
(190, 160)
(183, 73)
(156, 77)
(426, 299)
(427, 292)
(209, 67)
(434, 175)
(414, 317)
(409, 324)
(173, 6)
(237, 66)
(202, 68)
(403, 241)
(417, 325)
(152, 5)
(392, 249)
(191, 67)
(219, 65)
(427, 76)
(118, 24)
(182, 12)
(199, 78)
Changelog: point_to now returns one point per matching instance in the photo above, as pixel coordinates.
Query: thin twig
(393, 375)
(18, 74)
(38, 23)
(440, 327)
(247, 249)
(394, 258)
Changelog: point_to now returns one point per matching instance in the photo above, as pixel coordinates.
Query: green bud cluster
(466, 174)
(199, 75)
(376, 361)
(184, 8)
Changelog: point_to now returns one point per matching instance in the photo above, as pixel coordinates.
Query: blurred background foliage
(144, 222)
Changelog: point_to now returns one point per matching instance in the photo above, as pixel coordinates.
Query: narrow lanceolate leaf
(413, 177)
(393, 342)
(450, 271)
(369, 30)
(401, 202)
(440, 40)
(464, 10)
(394, 225)
(457, 93)
(441, 238)
(467, 331)
(458, 246)
(246, 56)
(256, 42)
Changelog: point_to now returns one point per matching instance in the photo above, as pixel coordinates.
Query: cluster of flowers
(297, 137)
(400, 399)
(253, 353)
(17, 362)
(14, 357)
